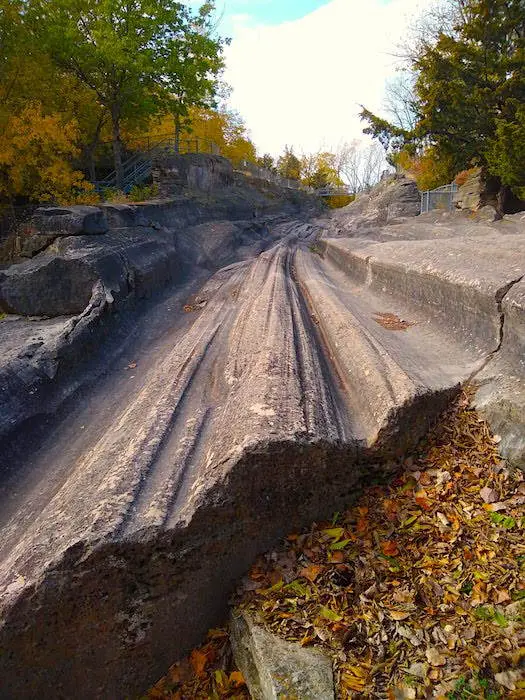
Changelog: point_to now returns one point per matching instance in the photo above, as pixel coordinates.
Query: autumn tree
(289, 165)
(125, 53)
(319, 171)
(35, 157)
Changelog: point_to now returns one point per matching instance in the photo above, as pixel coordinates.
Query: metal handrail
(134, 175)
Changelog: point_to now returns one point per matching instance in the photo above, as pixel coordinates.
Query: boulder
(172, 174)
(477, 191)
(394, 198)
(129, 262)
(69, 221)
(274, 668)
(46, 286)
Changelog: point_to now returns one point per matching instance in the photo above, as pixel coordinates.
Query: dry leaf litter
(416, 591)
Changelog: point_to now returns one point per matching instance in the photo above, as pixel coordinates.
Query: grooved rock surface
(274, 668)
(246, 402)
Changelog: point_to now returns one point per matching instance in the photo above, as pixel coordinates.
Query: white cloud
(301, 82)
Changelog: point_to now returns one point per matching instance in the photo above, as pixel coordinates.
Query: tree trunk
(504, 195)
(92, 147)
(117, 147)
(176, 118)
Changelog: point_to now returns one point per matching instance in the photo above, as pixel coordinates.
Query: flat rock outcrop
(296, 373)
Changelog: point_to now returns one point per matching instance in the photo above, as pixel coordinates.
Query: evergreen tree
(470, 87)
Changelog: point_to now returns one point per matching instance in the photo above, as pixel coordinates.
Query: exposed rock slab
(197, 171)
(274, 668)
(296, 378)
(69, 221)
(254, 422)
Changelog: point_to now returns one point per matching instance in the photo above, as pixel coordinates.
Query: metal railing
(440, 198)
(334, 192)
(253, 170)
(137, 168)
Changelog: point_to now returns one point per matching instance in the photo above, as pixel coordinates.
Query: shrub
(86, 195)
(429, 169)
(142, 193)
(339, 201)
(114, 195)
(463, 176)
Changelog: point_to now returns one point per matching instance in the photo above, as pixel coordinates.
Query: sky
(300, 69)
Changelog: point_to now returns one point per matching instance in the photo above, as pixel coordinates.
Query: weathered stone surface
(274, 668)
(394, 198)
(50, 286)
(198, 171)
(258, 411)
(252, 421)
(69, 221)
(459, 289)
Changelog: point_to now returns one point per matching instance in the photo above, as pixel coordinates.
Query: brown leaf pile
(208, 673)
(416, 591)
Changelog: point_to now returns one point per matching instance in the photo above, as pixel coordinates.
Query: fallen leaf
(399, 614)
(422, 500)
(390, 548)
(237, 679)
(418, 669)
(434, 657)
(198, 661)
(488, 495)
(402, 692)
(329, 614)
(311, 572)
(337, 557)
(508, 679)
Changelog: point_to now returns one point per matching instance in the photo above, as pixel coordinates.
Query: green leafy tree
(506, 155)
(470, 85)
(193, 62)
(266, 161)
(122, 51)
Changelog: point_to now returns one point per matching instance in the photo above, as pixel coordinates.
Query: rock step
(471, 288)
(459, 284)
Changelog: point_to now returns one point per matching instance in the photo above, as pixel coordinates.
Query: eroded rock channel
(246, 401)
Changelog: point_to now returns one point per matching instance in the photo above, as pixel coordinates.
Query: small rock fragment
(434, 657)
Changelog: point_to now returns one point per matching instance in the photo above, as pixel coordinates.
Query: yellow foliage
(339, 201)
(35, 157)
(222, 129)
(428, 169)
(88, 195)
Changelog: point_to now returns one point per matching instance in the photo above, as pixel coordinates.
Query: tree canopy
(469, 92)
(104, 68)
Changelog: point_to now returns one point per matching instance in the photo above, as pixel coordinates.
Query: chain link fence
(440, 198)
